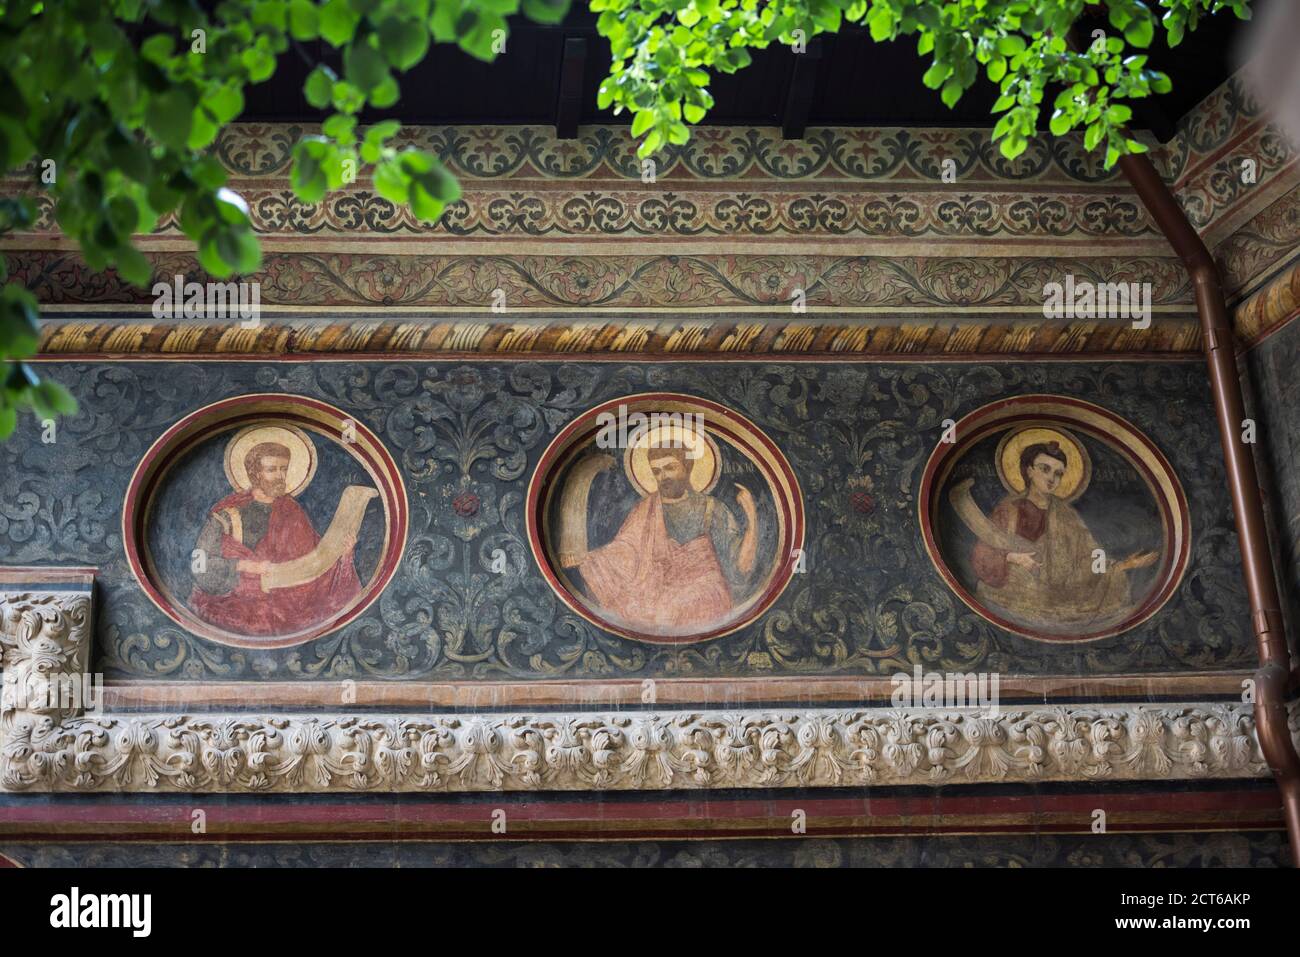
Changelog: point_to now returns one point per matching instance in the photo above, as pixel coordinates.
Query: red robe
(248, 610)
(1019, 517)
(653, 583)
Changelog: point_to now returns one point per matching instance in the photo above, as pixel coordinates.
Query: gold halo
(302, 455)
(1078, 466)
(705, 470)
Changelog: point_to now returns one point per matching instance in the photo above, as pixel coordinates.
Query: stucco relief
(65, 748)
(633, 751)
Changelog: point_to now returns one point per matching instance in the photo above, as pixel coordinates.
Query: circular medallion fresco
(665, 518)
(265, 520)
(1055, 519)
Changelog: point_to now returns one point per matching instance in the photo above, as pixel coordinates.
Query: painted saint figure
(1035, 558)
(262, 568)
(681, 561)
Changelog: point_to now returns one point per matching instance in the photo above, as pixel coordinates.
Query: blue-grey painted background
(1273, 366)
(1247, 849)
(871, 602)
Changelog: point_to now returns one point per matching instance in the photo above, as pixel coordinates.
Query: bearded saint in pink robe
(679, 562)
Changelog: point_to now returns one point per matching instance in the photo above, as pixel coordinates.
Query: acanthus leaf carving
(645, 751)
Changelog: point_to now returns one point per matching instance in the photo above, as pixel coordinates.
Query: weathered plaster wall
(1261, 849)
(1272, 366)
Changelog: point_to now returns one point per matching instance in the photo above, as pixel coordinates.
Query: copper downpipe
(1272, 680)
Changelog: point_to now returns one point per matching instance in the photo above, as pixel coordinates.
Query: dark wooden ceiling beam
(568, 105)
(803, 86)
(1149, 114)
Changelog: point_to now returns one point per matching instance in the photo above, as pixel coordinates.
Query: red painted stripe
(696, 808)
(560, 834)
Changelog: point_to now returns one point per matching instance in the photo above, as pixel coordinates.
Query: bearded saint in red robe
(249, 531)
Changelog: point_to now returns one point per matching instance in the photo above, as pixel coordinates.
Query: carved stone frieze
(631, 750)
(43, 638)
(44, 747)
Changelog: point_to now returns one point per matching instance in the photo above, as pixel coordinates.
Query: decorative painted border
(1203, 162)
(225, 416)
(1277, 304)
(683, 336)
(640, 281)
(147, 696)
(731, 425)
(262, 151)
(1260, 246)
(950, 249)
(643, 304)
(877, 154)
(1104, 426)
(728, 183)
(728, 191)
(948, 217)
(1261, 268)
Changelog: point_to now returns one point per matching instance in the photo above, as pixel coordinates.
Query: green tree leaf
(338, 22)
(319, 87)
(169, 117)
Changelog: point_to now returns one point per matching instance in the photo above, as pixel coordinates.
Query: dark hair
(1031, 452)
(253, 460)
(669, 452)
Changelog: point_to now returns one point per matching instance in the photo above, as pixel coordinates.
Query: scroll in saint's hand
(573, 508)
(979, 523)
(338, 538)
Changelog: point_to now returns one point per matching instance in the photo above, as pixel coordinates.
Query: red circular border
(162, 454)
(1171, 570)
(569, 438)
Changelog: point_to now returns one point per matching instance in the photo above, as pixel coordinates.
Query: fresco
(673, 519)
(470, 600)
(265, 532)
(1057, 532)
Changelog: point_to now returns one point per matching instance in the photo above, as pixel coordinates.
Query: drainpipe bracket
(1214, 339)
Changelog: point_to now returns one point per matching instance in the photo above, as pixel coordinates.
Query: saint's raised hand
(746, 501)
(1139, 560)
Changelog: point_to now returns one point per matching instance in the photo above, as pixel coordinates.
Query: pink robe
(653, 583)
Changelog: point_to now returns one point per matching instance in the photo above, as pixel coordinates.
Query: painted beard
(672, 488)
(274, 487)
